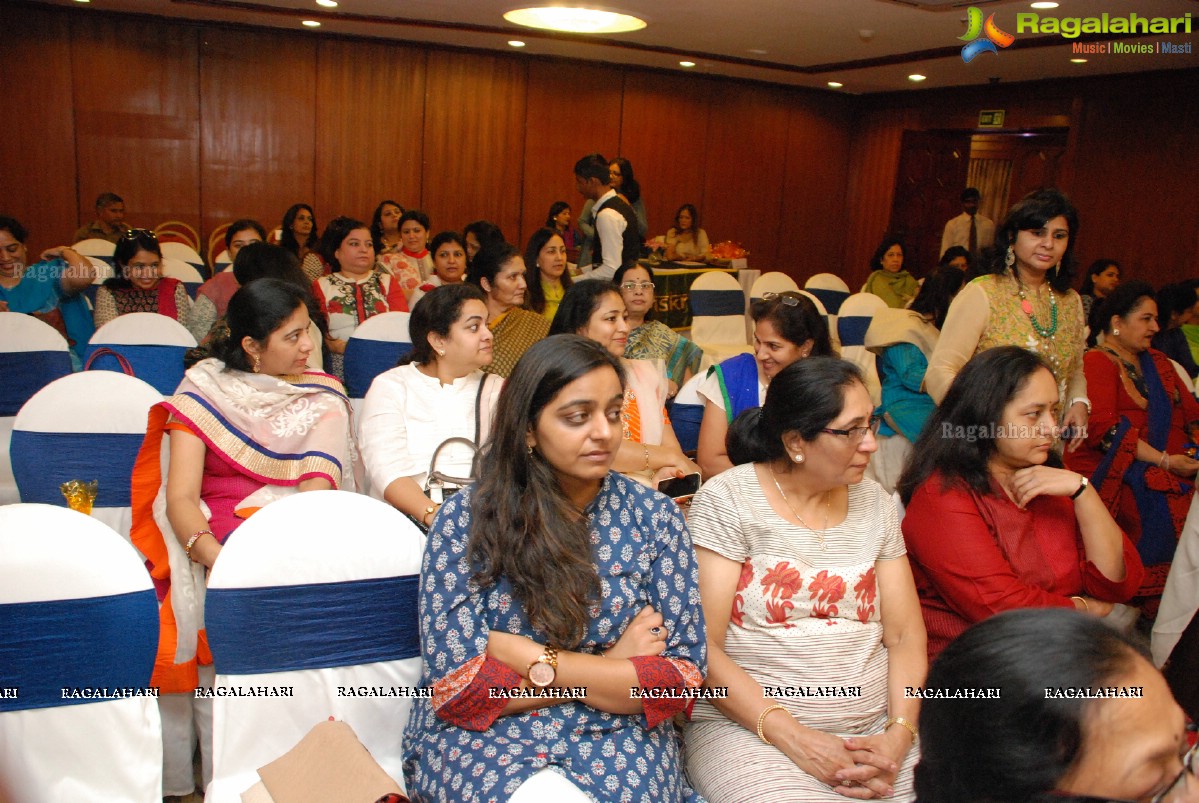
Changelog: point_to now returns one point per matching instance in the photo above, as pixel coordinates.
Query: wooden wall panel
(743, 198)
(558, 132)
(810, 231)
(37, 150)
(136, 118)
(474, 140)
(257, 126)
(664, 133)
(370, 106)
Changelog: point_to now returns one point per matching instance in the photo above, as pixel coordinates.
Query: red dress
(974, 556)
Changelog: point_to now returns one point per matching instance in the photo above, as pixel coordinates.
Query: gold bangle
(191, 542)
(762, 720)
(1085, 605)
(647, 468)
(905, 723)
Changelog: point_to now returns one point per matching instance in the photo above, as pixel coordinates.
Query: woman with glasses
(546, 253)
(1060, 724)
(650, 339)
(139, 285)
(992, 524)
(813, 621)
(787, 327)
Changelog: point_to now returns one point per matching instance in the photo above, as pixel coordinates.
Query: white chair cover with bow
(856, 314)
(95, 247)
(772, 282)
(77, 612)
(830, 288)
(315, 593)
(183, 271)
(718, 315)
(374, 347)
(153, 345)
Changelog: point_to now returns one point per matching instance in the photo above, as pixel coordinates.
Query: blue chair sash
(852, 329)
(77, 644)
(366, 359)
(157, 365)
(24, 373)
(41, 461)
(686, 420)
(831, 299)
(717, 302)
(285, 628)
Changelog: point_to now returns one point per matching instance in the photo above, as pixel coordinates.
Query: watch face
(541, 674)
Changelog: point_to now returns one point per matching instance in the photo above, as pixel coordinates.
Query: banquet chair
(86, 426)
(104, 271)
(149, 345)
(374, 347)
(718, 315)
(184, 272)
(32, 355)
(216, 244)
(831, 320)
(299, 600)
(95, 247)
(1184, 376)
(186, 254)
(77, 612)
(222, 262)
(687, 413)
(178, 232)
(772, 282)
(830, 288)
(856, 314)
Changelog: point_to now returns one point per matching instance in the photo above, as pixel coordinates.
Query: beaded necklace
(1026, 305)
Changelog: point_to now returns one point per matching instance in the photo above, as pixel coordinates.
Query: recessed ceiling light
(311, 24)
(686, 63)
(916, 77)
(327, 3)
(574, 20)
(83, 1)
(836, 84)
(1078, 61)
(1046, 4)
(516, 43)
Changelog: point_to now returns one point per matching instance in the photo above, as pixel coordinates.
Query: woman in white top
(435, 393)
(686, 240)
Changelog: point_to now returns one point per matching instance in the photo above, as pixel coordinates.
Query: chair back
(86, 426)
(153, 345)
(687, 413)
(856, 314)
(184, 272)
(222, 262)
(771, 282)
(830, 288)
(183, 252)
(77, 612)
(216, 244)
(374, 347)
(178, 232)
(718, 315)
(95, 247)
(300, 601)
(104, 271)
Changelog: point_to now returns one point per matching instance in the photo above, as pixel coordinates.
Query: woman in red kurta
(989, 525)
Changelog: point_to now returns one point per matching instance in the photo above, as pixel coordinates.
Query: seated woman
(213, 296)
(1177, 306)
(139, 285)
(449, 264)
(685, 240)
(385, 228)
(234, 446)
(650, 452)
(807, 593)
(357, 288)
(990, 527)
(546, 252)
(410, 265)
(500, 271)
(787, 327)
(504, 658)
(650, 339)
(1142, 418)
(1041, 743)
(558, 219)
(903, 339)
(436, 393)
(1102, 278)
(956, 256)
(888, 280)
(49, 290)
(480, 234)
(298, 235)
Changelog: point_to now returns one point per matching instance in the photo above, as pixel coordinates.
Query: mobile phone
(680, 486)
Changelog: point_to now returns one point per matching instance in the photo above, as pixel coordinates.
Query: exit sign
(991, 118)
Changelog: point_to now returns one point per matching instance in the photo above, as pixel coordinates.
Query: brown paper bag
(329, 763)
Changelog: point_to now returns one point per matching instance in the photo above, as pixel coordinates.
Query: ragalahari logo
(989, 32)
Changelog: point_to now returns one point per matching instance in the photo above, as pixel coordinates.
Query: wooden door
(932, 174)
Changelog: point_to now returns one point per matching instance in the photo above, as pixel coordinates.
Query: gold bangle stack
(762, 720)
(905, 723)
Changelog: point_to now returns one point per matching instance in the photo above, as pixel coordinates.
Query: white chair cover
(153, 344)
(1180, 599)
(85, 426)
(772, 282)
(718, 315)
(95, 247)
(830, 289)
(71, 583)
(182, 252)
(1184, 376)
(373, 348)
(222, 262)
(181, 270)
(272, 590)
(856, 314)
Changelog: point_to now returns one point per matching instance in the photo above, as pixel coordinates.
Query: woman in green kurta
(890, 281)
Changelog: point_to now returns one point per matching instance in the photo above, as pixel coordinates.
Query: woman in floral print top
(814, 623)
(552, 560)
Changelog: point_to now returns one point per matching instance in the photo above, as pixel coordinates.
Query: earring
(1116, 332)
(1010, 258)
(530, 448)
(799, 457)
(440, 353)
(257, 363)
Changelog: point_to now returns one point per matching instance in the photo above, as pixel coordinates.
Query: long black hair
(1097, 267)
(377, 223)
(131, 242)
(1032, 213)
(335, 233)
(523, 526)
(256, 310)
(629, 187)
(937, 292)
(796, 319)
(959, 438)
(287, 237)
(1030, 741)
(579, 303)
(1122, 301)
(535, 296)
(435, 312)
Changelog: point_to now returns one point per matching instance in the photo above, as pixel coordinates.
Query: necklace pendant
(1026, 305)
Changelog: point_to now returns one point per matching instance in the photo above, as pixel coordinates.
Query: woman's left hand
(867, 775)
(1076, 418)
(1029, 483)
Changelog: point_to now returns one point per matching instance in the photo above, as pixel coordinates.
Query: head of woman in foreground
(595, 310)
(1039, 233)
(1037, 739)
(268, 329)
(787, 327)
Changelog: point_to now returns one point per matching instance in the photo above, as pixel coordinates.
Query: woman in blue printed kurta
(487, 607)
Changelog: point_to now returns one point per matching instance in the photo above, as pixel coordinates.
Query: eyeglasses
(783, 298)
(133, 234)
(632, 286)
(143, 268)
(1167, 795)
(856, 435)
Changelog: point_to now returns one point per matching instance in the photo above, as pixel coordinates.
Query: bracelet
(646, 448)
(191, 542)
(762, 720)
(1085, 605)
(429, 511)
(1164, 463)
(905, 723)
(1082, 486)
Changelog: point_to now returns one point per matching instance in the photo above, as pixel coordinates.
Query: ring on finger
(655, 630)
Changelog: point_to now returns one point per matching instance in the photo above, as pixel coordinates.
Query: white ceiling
(867, 45)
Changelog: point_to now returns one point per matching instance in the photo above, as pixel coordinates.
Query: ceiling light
(311, 24)
(516, 43)
(1045, 4)
(686, 63)
(327, 3)
(917, 77)
(574, 20)
(83, 1)
(1078, 61)
(757, 51)
(836, 84)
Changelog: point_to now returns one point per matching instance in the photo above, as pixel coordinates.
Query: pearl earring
(440, 353)
(799, 457)
(1116, 332)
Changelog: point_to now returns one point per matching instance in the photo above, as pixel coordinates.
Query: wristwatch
(543, 671)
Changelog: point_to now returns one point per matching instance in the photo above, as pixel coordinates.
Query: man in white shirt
(617, 242)
(972, 231)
